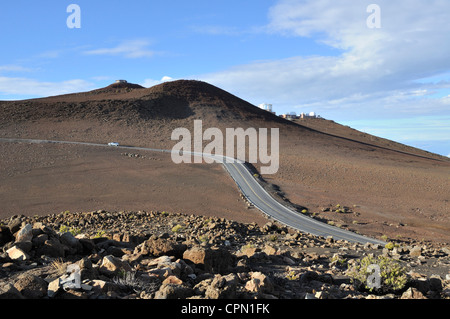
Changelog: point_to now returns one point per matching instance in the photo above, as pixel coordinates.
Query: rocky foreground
(159, 255)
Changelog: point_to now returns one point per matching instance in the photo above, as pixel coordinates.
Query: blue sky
(299, 55)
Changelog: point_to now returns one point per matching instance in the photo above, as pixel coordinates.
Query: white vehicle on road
(113, 144)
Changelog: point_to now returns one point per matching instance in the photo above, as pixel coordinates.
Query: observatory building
(266, 107)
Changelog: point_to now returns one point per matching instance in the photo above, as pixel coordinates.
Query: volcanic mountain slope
(128, 112)
(346, 132)
(177, 102)
(174, 104)
(133, 104)
(393, 189)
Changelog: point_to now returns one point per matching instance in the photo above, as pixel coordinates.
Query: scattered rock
(174, 280)
(69, 240)
(173, 291)
(112, 265)
(25, 233)
(14, 225)
(446, 250)
(8, 291)
(270, 250)
(435, 283)
(160, 246)
(16, 253)
(5, 235)
(412, 293)
(222, 287)
(53, 287)
(259, 283)
(214, 259)
(31, 286)
(51, 247)
(416, 251)
(140, 256)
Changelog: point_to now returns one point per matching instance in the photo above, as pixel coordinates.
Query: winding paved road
(252, 190)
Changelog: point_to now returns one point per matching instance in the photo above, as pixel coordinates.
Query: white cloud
(128, 49)
(217, 30)
(375, 69)
(35, 88)
(166, 78)
(446, 100)
(417, 129)
(394, 74)
(50, 54)
(150, 82)
(102, 78)
(13, 68)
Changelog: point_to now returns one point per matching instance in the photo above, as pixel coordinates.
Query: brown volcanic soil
(49, 178)
(392, 189)
(388, 192)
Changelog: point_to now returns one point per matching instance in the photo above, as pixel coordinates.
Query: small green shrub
(73, 230)
(392, 276)
(248, 246)
(63, 229)
(177, 228)
(292, 275)
(339, 261)
(99, 234)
